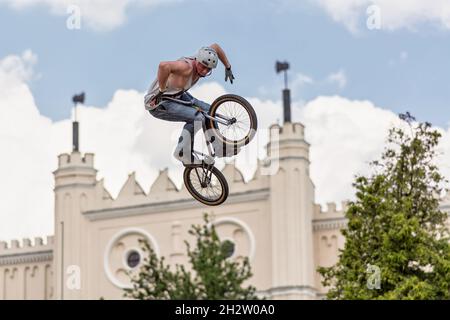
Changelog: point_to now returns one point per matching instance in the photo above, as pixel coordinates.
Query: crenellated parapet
(331, 217)
(288, 130)
(331, 209)
(131, 191)
(163, 183)
(26, 245)
(76, 159)
(75, 170)
(164, 189)
(26, 251)
(287, 142)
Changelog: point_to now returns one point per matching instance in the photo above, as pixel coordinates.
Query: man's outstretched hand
(229, 75)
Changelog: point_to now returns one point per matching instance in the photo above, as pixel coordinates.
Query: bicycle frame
(208, 159)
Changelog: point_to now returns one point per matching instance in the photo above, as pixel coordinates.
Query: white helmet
(208, 57)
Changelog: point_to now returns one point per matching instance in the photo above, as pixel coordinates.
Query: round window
(133, 259)
(228, 248)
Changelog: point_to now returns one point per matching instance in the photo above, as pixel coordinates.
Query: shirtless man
(174, 79)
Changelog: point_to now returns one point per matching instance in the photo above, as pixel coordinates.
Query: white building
(272, 219)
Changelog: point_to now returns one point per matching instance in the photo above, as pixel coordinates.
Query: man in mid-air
(174, 79)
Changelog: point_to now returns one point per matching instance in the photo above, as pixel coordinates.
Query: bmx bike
(231, 123)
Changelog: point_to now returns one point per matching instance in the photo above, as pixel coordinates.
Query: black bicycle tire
(212, 125)
(197, 196)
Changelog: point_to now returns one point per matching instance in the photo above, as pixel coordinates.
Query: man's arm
(168, 67)
(222, 55)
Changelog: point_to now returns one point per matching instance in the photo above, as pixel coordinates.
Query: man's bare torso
(181, 79)
(183, 75)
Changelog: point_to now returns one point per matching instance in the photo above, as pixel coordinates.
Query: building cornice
(172, 205)
(290, 140)
(329, 224)
(74, 186)
(29, 257)
(73, 168)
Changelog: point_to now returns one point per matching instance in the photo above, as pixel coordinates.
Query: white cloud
(98, 14)
(17, 69)
(25, 139)
(339, 78)
(396, 14)
(301, 80)
(344, 136)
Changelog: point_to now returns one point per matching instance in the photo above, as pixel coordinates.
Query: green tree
(213, 276)
(397, 244)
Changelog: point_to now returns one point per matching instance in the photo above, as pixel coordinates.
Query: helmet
(208, 57)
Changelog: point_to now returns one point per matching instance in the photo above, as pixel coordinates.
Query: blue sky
(398, 70)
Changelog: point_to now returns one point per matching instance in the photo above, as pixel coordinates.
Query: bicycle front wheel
(243, 125)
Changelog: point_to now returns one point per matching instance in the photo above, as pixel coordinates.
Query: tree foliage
(396, 232)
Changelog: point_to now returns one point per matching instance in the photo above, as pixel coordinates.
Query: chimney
(75, 125)
(279, 67)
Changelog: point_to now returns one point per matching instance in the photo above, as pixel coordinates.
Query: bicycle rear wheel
(207, 185)
(244, 126)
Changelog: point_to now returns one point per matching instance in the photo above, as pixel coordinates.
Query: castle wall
(26, 271)
(327, 225)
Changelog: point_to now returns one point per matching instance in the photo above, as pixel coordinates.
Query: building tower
(292, 207)
(75, 180)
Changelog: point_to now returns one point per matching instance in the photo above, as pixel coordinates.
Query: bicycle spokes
(238, 121)
(205, 183)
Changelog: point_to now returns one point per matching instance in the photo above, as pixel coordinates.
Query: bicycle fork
(207, 165)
